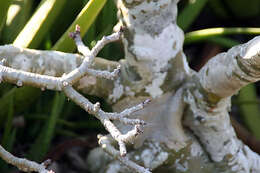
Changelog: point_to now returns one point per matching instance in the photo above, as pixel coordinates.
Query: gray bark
(188, 127)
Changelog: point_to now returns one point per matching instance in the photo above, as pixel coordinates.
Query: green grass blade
(204, 34)
(189, 13)
(23, 98)
(219, 8)
(250, 112)
(242, 8)
(68, 14)
(107, 21)
(89, 124)
(223, 41)
(39, 24)
(42, 143)
(8, 123)
(8, 138)
(3, 12)
(8, 147)
(18, 14)
(85, 18)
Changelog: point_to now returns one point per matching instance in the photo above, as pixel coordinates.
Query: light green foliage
(39, 24)
(18, 14)
(3, 12)
(249, 107)
(190, 12)
(43, 141)
(84, 19)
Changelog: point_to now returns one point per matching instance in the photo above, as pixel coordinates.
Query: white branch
(82, 48)
(228, 72)
(210, 122)
(105, 74)
(107, 146)
(65, 83)
(105, 118)
(82, 70)
(23, 164)
(20, 78)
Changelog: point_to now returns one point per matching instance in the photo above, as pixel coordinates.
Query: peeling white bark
(209, 103)
(153, 49)
(23, 164)
(155, 67)
(64, 83)
(228, 72)
(55, 64)
(152, 41)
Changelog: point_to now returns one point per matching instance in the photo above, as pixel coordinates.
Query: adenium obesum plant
(185, 127)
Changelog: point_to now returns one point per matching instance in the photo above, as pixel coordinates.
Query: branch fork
(65, 83)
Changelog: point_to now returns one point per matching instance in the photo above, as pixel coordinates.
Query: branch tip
(77, 29)
(123, 153)
(118, 70)
(19, 83)
(74, 34)
(138, 130)
(99, 136)
(146, 102)
(3, 61)
(46, 163)
(122, 29)
(65, 83)
(96, 107)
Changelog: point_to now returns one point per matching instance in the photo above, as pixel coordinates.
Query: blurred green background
(34, 122)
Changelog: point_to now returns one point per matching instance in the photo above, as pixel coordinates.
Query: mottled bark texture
(188, 127)
(65, 83)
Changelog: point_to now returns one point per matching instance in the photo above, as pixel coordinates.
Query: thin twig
(105, 143)
(23, 164)
(105, 119)
(64, 83)
(82, 48)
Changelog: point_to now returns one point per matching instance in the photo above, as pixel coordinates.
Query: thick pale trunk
(153, 49)
(188, 126)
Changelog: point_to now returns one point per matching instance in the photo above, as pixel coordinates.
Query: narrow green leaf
(42, 143)
(242, 8)
(250, 112)
(8, 123)
(8, 147)
(223, 41)
(68, 14)
(85, 18)
(204, 34)
(11, 140)
(107, 21)
(90, 124)
(219, 8)
(23, 98)
(39, 24)
(8, 137)
(3, 12)
(189, 13)
(18, 14)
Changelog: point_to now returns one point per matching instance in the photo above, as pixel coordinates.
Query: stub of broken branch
(65, 84)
